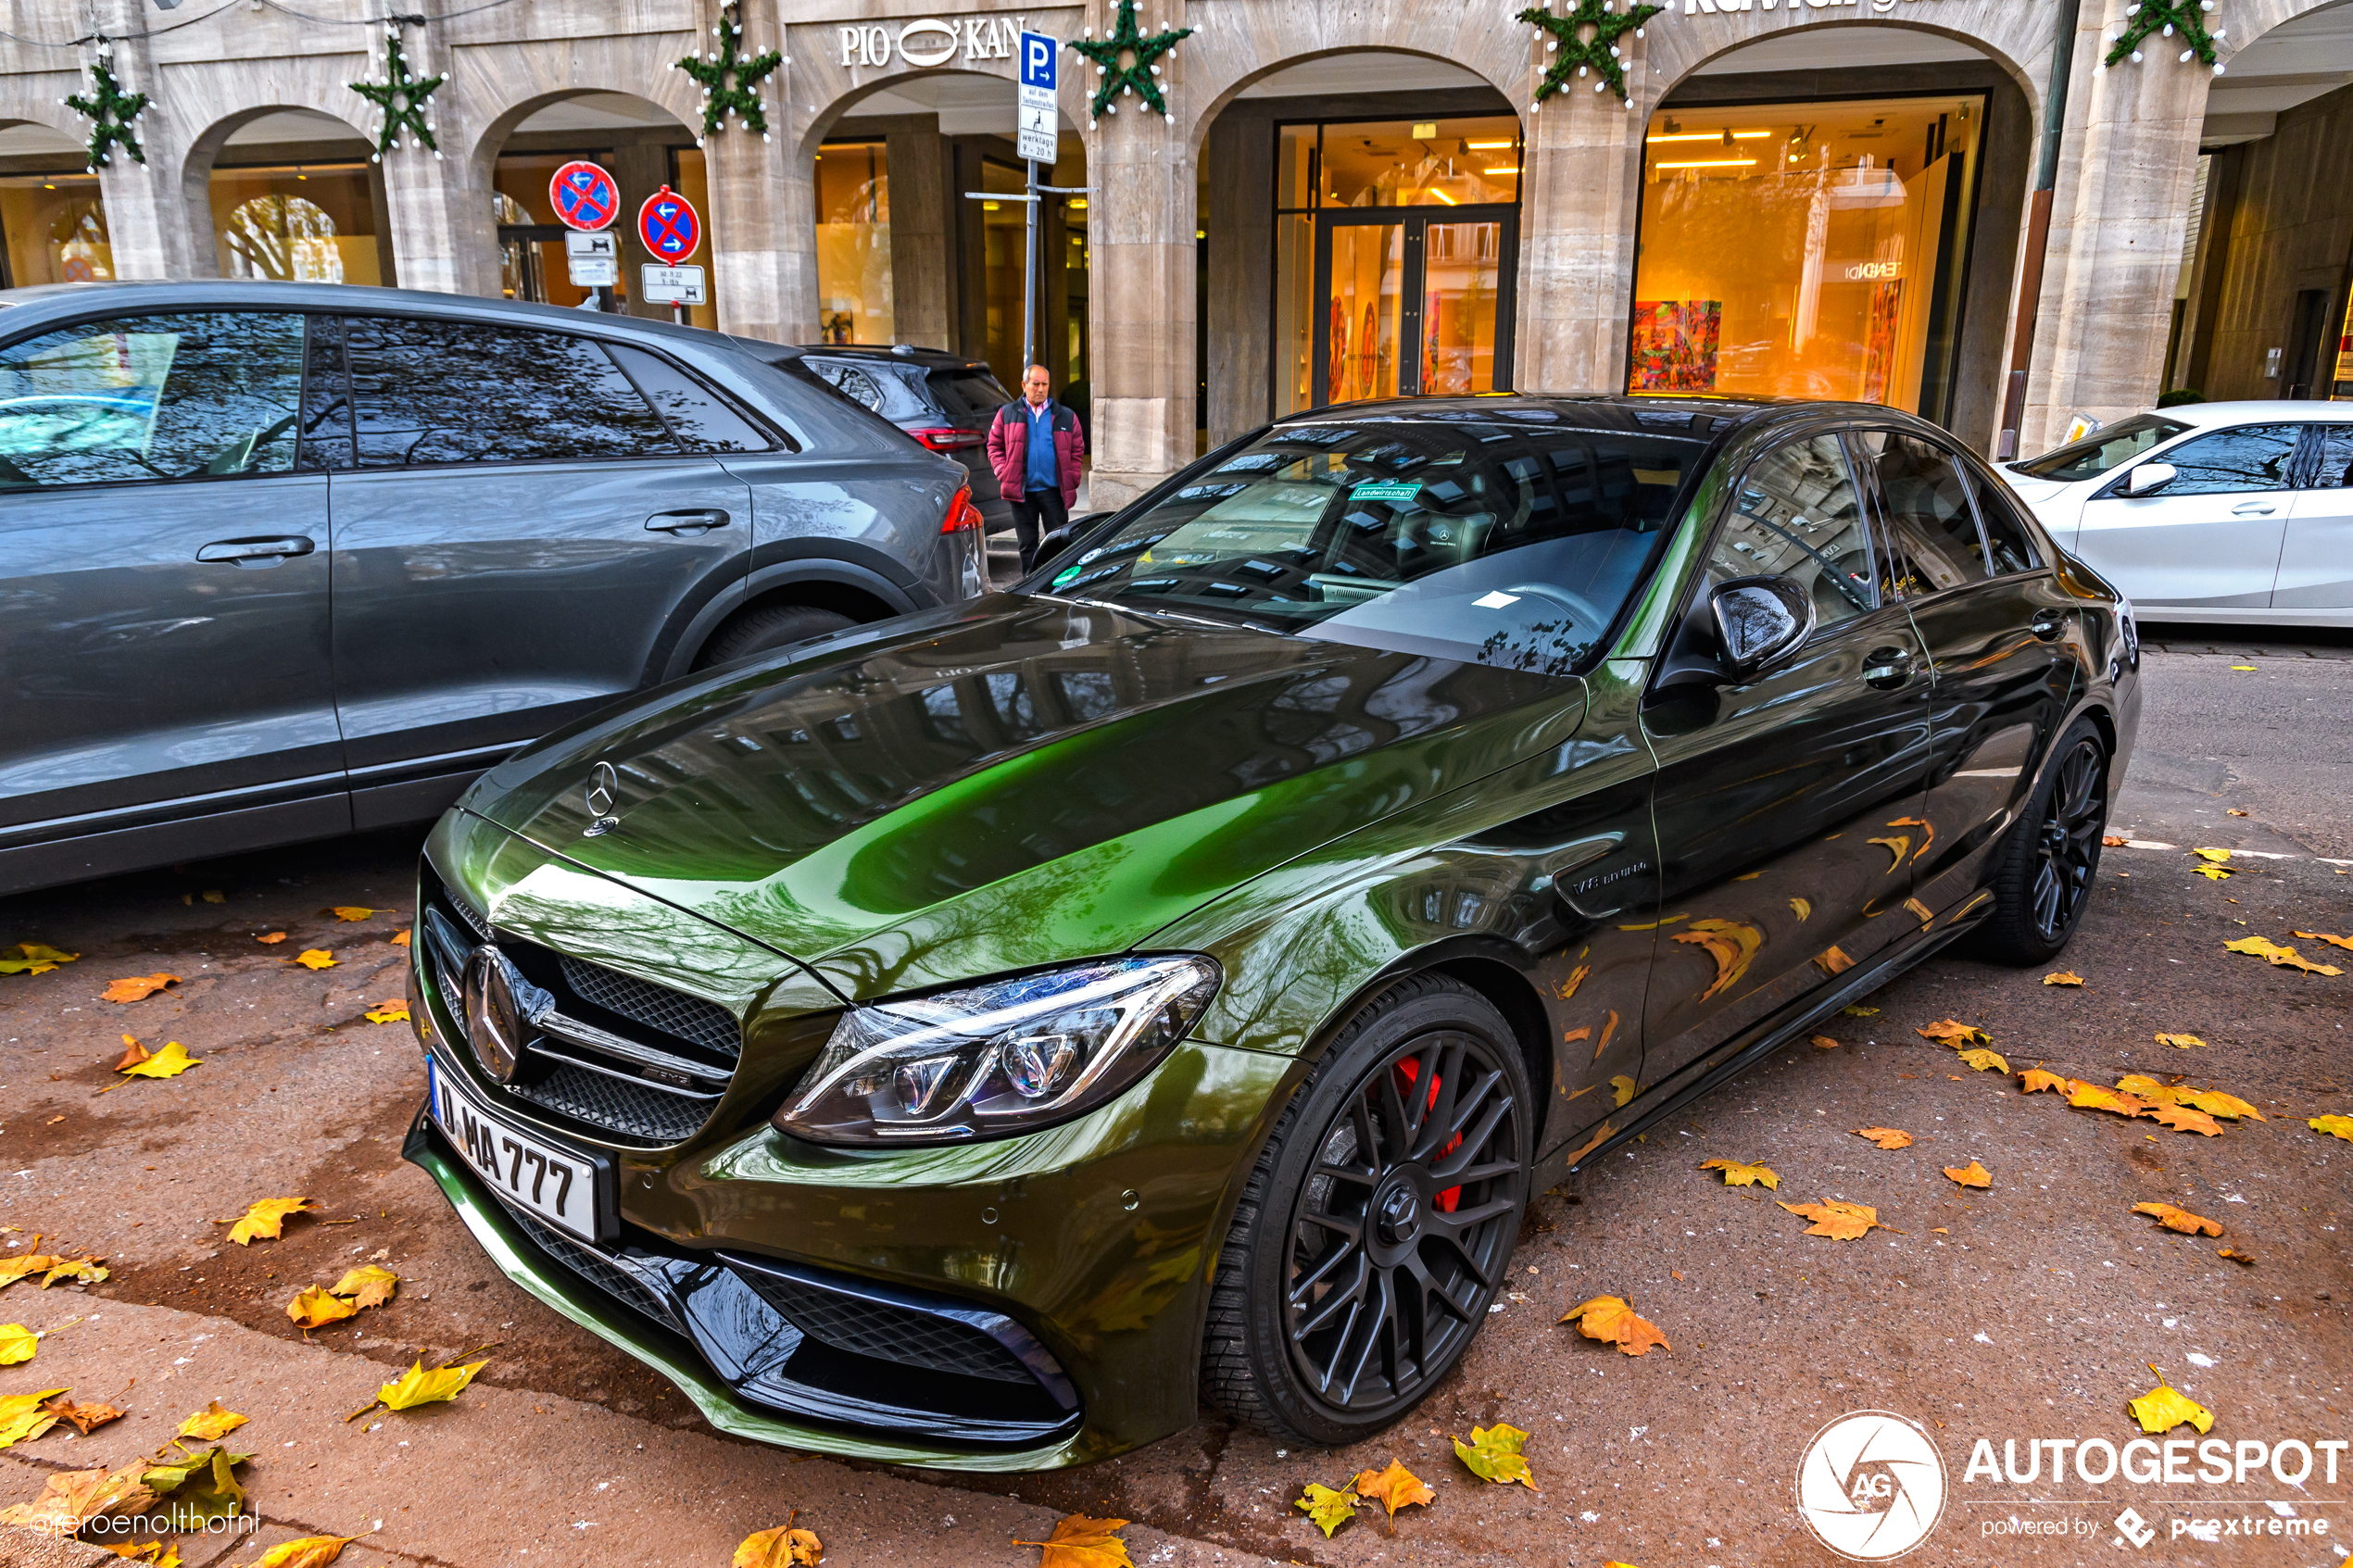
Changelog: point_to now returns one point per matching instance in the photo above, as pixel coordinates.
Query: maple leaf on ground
(1953, 1031)
(35, 957)
(2162, 1409)
(783, 1547)
(71, 1500)
(2212, 873)
(2274, 954)
(316, 958)
(272, 939)
(2063, 977)
(1328, 1509)
(2115, 840)
(18, 1344)
(1837, 1220)
(2212, 857)
(168, 1062)
(2034, 1078)
(2180, 1042)
(1611, 1320)
(25, 1416)
(1492, 1454)
(2174, 1219)
(1984, 1060)
(1081, 1542)
(366, 1286)
(1393, 1488)
(211, 1423)
(351, 912)
(131, 988)
(83, 1418)
(310, 1551)
(155, 1552)
(267, 1218)
(2334, 1126)
(1739, 1173)
(2139, 1085)
(2244, 1259)
(401, 939)
(1823, 1042)
(200, 1487)
(2181, 1119)
(1853, 1011)
(391, 1011)
(1886, 1138)
(2091, 1097)
(313, 1307)
(1972, 1174)
(417, 1387)
(2345, 942)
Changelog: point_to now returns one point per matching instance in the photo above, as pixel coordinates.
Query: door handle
(2049, 625)
(1887, 667)
(688, 523)
(2253, 508)
(257, 552)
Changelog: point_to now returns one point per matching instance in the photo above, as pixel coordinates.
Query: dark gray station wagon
(280, 561)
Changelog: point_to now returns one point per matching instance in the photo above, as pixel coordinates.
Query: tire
(2042, 877)
(1290, 1348)
(764, 631)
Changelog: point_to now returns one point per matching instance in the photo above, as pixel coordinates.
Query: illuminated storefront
(54, 228)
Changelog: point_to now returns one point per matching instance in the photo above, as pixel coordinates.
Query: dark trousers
(1039, 512)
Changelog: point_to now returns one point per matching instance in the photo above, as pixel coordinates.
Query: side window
(1797, 514)
(326, 400)
(453, 391)
(702, 419)
(851, 382)
(2332, 458)
(2006, 541)
(1924, 501)
(2228, 461)
(145, 397)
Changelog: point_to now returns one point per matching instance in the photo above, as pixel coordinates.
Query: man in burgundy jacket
(1035, 446)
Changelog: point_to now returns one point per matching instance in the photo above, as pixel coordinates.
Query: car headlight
(998, 1059)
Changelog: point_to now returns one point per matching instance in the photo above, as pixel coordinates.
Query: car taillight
(962, 513)
(947, 439)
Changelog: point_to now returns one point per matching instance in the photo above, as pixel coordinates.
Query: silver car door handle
(687, 522)
(1887, 667)
(2253, 508)
(258, 551)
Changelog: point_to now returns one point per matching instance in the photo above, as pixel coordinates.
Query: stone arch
(826, 76)
(203, 152)
(821, 123)
(681, 101)
(2023, 52)
(1512, 85)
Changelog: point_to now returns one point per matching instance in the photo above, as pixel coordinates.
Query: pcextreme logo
(1871, 1486)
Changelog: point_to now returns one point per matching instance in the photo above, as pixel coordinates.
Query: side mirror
(1759, 619)
(1057, 541)
(2148, 478)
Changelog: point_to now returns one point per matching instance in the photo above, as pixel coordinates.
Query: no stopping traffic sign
(669, 226)
(584, 196)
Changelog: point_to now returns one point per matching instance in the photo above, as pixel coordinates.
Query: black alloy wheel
(1380, 1223)
(2041, 878)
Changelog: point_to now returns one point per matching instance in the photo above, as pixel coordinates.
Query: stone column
(1242, 271)
(2127, 163)
(444, 228)
(918, 234)
(1581, 193)
(146, 215)
(1140, 220)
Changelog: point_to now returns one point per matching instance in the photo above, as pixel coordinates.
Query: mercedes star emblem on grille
(495, 1022)
(603, 794)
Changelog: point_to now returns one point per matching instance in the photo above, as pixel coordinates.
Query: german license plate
(569, 1188)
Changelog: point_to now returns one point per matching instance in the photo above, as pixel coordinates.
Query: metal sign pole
(1029, 280)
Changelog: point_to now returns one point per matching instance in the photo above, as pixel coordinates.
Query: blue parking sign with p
(1038, 55)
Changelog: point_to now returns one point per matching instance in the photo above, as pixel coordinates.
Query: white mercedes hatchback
(2235, 512)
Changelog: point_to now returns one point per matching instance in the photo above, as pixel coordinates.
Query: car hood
(1023, 781)
(2031, 489)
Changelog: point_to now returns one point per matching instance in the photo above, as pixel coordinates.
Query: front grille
(657, 1007)
(597, 1270)
(643, 1112)
(891, 1333)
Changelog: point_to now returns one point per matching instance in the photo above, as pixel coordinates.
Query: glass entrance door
(1412, 304)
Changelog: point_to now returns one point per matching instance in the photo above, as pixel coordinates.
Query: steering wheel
(1578, 607)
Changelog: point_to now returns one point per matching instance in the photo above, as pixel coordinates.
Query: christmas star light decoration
(1574, 52)
(1138, 71)
(2164, 20)
(109, 110)
(730, 82)
(404, 97)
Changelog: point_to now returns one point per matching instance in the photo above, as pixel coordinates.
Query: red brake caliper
(1409, 1072)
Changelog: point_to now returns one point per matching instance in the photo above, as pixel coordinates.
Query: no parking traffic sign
(669, 226)
(584, 196)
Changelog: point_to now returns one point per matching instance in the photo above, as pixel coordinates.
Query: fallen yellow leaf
(2162, 1409)
(83, 1418)
(2334, 1126)
(1953, 1031)
(2183, 1119)
(17, 1343)
(2345, 942)
(156, 1554)
(35, 957)
(271, 937)
(1982, 1059)
(1972, 1174)
(211, 1423)
(2181, 1042)
(267, 1218)
(131, 988)
(2115, 840)
(2063, 977)
(310, 1551)
(1328, 1509)
(25, 1416)
(1853, 1011)
(2034, 1078)
(351, 912)
(1611, 1320)
(1838, 1221)
(313, 1307)
(1886, 1138)
(393, 1011)
(2174, 1219)
(1492, 1454)
(1731, 944)
(2211, 873)
(2091, 1097)
(1740, 1174)
(2244, 1259)
(401, 939)
(316, 958)
(367, 1285)
(168, 1062)
(1081, 1542)
(69, 1501)
(1823, 1042)
(2213, 856)
(783, 1547)
(1393, 1488)
(417, 1387)
(2274, 954)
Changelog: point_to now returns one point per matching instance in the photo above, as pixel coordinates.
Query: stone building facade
(1951, 205)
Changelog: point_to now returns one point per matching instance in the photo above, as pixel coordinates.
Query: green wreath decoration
(403, 96)
(1573, 51)
(110, 111)
(1138, 72)
(2163, 18)
(730, 82)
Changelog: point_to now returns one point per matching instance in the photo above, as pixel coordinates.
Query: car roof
(1694, 416)
(2251, 411)
(900, 353)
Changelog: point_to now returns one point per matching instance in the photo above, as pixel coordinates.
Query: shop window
(853, 244)
(1806, 250)
(304, 224)
(54, 229)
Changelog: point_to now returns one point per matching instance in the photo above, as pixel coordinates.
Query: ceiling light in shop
(1487, 146)
(1711, 136)
(1711, 163)
(1502, 169)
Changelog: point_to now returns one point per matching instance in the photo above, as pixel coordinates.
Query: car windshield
(1507, 542)
(2103, 449)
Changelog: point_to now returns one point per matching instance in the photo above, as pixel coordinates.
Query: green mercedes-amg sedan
(970, 1041)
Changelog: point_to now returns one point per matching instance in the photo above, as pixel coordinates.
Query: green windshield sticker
(1063, 579)
(1386, 490)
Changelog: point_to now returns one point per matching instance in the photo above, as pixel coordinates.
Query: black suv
(943, 400)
